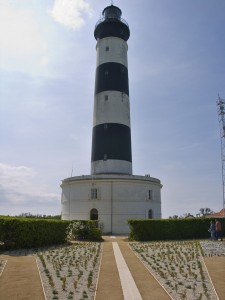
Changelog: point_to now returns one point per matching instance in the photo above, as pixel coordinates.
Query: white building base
(111, 199)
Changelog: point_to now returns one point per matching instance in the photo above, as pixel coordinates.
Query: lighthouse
(111, 137)
(111, 194)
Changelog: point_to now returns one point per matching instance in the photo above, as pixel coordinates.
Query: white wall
(111, 166)
(120, 197)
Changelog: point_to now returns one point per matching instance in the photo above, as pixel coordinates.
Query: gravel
(213, 248)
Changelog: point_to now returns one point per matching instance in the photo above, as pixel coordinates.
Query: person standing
(212, 229)
(218, 229)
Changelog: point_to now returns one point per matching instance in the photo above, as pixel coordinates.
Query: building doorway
(94, 214)
(150, 214)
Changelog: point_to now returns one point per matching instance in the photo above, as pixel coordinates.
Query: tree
(173, 217)
(205, 211)
(38, 216)
(188, 215)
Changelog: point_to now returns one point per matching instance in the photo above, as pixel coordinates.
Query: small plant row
(2, 266)
(70, 272)
(178, 266)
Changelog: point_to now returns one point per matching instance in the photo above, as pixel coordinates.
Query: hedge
(26, 233)
(170, 229)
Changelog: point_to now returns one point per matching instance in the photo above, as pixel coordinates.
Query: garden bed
(70, 272)
(178, 266)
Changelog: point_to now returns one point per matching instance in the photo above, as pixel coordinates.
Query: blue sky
(47, 68)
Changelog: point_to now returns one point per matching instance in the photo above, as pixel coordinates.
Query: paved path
(130, 290)
(216, 269)
(20, 279)
(109, 285)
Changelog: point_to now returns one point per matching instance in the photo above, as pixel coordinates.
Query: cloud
(71, 13)
(22, 42)
(19, 186)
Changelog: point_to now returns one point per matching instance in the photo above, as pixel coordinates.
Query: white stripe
(4, 262)
(111, 166)
(116, 109)
(99, 269)
(117, 51)
(42, 284)
(130, 290)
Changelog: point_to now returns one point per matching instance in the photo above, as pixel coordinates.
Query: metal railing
(109, 19)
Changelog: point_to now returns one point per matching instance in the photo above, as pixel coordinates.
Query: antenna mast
(221, 116)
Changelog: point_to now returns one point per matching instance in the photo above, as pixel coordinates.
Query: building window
(150, 195)
(106, 97)
(150, 214)
(107, 48)
(94, 214)
(94, 193)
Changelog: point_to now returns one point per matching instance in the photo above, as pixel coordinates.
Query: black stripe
(111, 77)
(111, 141)
(112, 28)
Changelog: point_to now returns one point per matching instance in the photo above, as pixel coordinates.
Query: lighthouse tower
(111, 194)
(111, 137)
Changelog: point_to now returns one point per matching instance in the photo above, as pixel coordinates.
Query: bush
(27, 233)
(170, 229)
(18, 233)
(84, 230)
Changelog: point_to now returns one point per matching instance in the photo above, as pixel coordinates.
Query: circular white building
(111, 194)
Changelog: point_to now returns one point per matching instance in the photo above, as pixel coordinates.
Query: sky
(176, 65)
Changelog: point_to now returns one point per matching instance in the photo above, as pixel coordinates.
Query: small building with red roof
(220, 214)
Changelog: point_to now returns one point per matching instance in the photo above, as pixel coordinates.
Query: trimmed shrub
(27, 233)
(84, 230)
(170, 229)
(18, 233)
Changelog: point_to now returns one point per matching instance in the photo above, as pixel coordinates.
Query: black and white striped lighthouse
(111, 136)
(111, 194)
